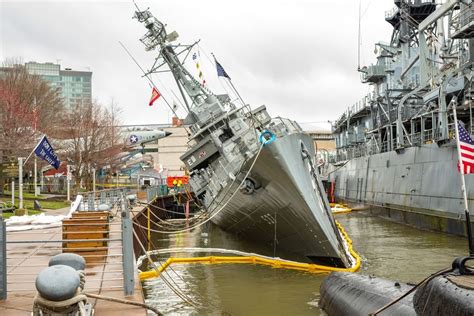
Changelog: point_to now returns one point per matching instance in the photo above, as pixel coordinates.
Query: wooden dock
(28, 252)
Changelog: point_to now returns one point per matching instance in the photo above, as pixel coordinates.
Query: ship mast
(157, 38)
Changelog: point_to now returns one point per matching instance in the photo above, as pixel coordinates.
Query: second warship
(396, 150)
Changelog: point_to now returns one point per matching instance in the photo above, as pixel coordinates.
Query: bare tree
(92, 137)
(29, 107)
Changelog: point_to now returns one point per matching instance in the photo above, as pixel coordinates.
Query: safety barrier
(258, 259)
(340, 208)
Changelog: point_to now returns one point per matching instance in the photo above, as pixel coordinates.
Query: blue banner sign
(46, 152)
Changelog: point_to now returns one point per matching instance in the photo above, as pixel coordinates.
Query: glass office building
(75, 86)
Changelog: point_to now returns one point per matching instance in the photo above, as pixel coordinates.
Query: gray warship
(253, 174)
(396, 147)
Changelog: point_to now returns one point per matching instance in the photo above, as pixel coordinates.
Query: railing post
(108, 199)
(149, 194)
(90, 202)
(102, 197)
(127, 250)
(3, 259)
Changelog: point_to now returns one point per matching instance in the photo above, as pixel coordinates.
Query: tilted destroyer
(396, 147)
(253, 174)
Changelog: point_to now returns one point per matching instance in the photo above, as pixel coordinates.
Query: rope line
(127, 302)
(214, 213)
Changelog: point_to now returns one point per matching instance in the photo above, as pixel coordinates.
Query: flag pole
(231, 84)
(31, 153)
(35, 177)
(463, 182)
(20, 182)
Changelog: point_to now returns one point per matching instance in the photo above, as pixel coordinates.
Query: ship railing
(384, 147)
(407, 139)
(452, 130)
(360, 105)
(428, 136)
(356, 107)
(283, 126)
(466, 15)
(350, 153)
(416, 139)
(357, 151)
(373, 149)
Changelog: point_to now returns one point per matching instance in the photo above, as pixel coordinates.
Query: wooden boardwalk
(26, 260)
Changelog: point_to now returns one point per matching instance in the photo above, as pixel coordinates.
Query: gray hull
(304, 225)
(419, 186)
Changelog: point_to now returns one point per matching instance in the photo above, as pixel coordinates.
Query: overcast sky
(298, 57)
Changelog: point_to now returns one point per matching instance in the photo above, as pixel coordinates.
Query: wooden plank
(85, 221)
(84, 235)
(87, 225)
(84, 228)
(84, 244)
(90, 215)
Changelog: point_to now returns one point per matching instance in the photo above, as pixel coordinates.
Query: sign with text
(9, 169)
(44, 151)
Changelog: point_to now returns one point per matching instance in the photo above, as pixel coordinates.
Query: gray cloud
(297, 57)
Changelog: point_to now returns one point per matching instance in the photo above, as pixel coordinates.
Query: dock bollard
(60, 287)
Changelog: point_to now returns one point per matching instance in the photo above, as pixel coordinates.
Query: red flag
(154, 96)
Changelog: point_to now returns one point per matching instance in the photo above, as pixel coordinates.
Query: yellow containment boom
(340, 208)
(255, 259)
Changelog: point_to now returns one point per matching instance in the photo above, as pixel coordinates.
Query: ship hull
(420, 186)
(287, 212)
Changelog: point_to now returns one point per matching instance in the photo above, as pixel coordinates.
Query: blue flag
(220, 70)
(44, 151)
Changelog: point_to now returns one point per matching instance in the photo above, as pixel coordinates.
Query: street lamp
(93, 178)
(69, 168)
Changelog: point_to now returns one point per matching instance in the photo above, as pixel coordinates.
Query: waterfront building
(323, 140)
(74, 86)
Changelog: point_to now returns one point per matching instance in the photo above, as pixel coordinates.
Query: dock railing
(111, 197)
(3, 259)
(23, 254)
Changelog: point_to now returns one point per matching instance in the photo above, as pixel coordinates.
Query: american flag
(466, 145)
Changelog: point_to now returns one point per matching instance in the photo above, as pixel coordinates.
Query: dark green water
(388, 250)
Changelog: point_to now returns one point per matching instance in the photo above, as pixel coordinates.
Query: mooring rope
(121, 301)
(214, 213)
(398, 299)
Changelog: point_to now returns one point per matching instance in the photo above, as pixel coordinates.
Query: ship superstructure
(253, 174)
(395, 147)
